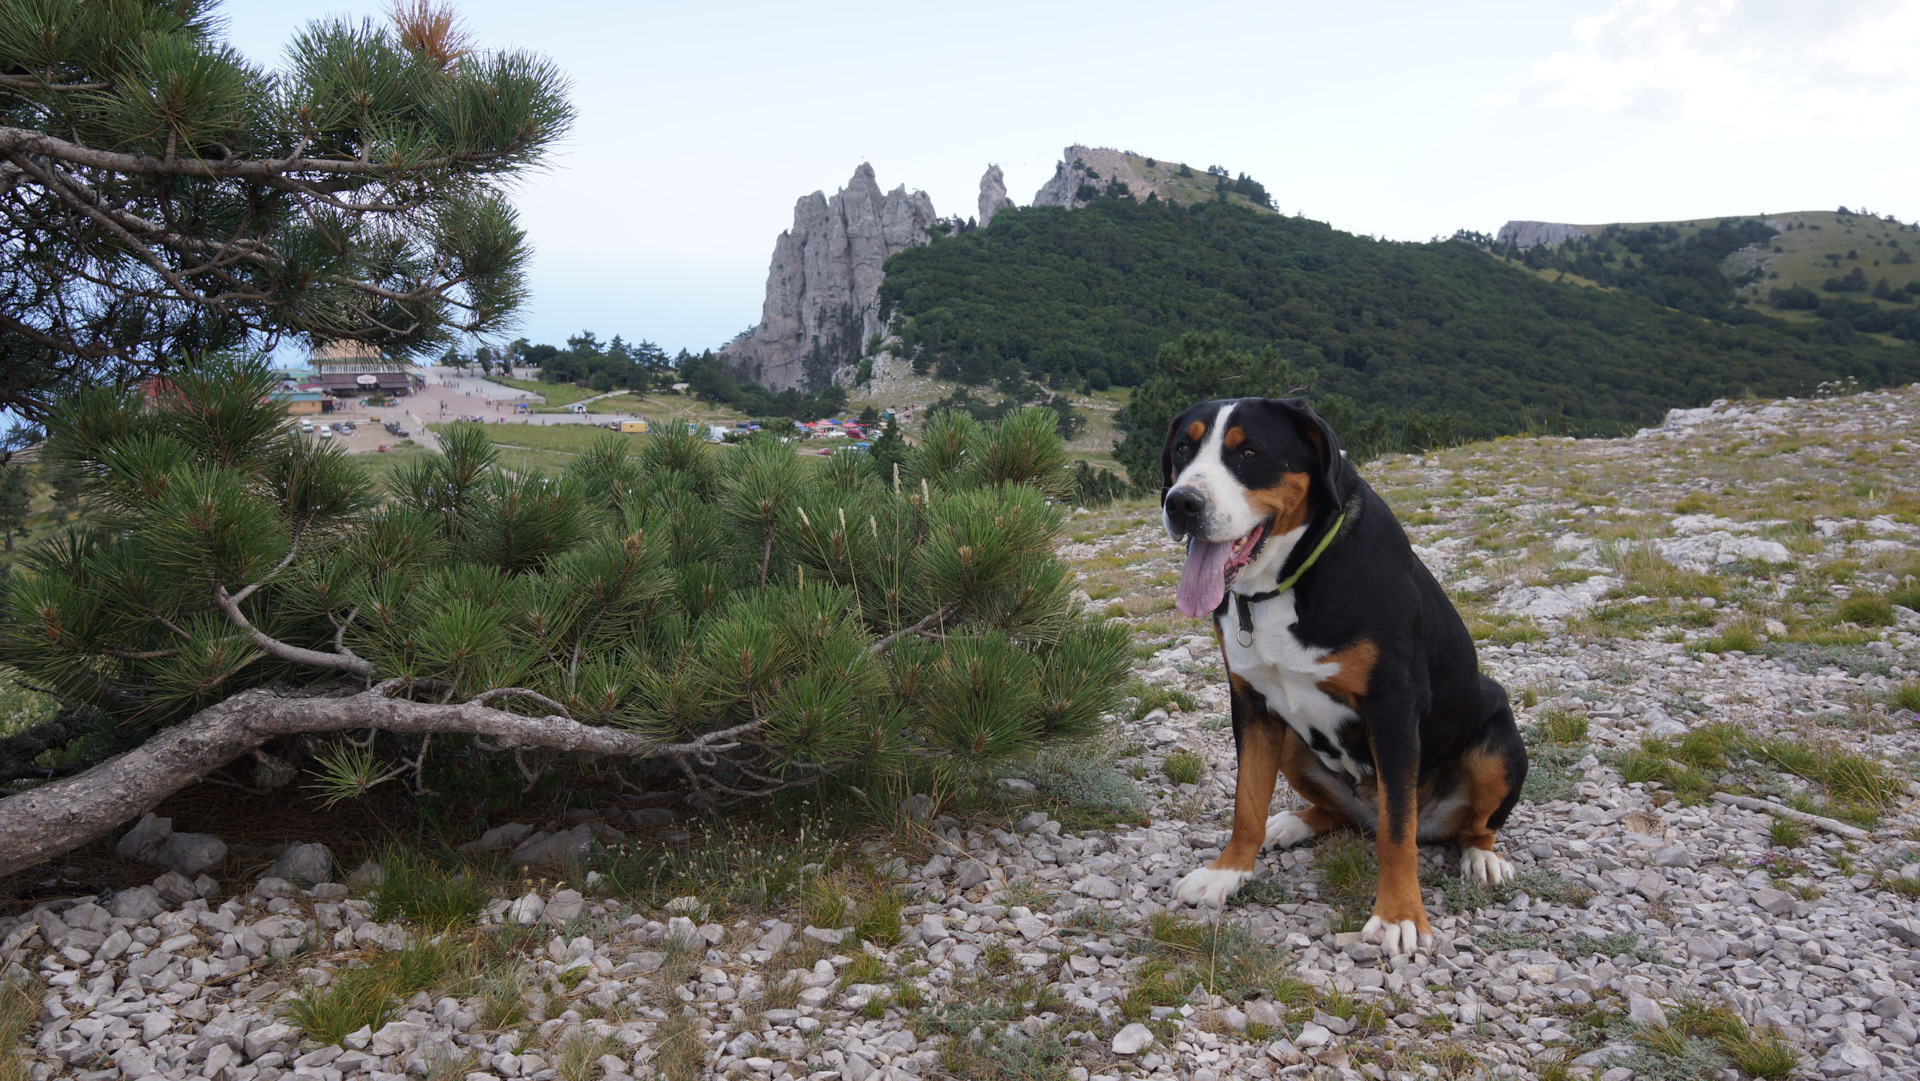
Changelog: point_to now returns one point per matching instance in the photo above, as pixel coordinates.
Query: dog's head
(1235, 472)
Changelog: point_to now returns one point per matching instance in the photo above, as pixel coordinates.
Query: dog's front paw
(1485, 865)
(1398, 932)
(1208, 886)
(1399, 938)
(1285, 830)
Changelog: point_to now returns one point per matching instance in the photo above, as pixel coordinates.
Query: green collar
(1243, 603)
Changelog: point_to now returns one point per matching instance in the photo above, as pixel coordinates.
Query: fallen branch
(56, 817)
(1781, 810)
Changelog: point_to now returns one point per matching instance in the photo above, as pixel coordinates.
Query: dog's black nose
(1185, 506)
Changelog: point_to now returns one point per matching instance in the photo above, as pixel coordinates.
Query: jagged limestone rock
(993, 194)
(1063, 188)
(824, 282)
(1536, 234)
(1098, 166)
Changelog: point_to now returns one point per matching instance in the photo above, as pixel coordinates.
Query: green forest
(1087, 298)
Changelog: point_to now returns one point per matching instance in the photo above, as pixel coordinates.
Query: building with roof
(349, 369)
(307, 402)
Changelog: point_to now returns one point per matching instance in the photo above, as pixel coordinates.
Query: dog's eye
(1249, 453)
(1182, 450)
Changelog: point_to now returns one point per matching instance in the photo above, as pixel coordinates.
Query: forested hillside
(1818, 265)
(1088, 296)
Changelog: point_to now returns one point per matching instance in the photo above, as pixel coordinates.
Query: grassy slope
(1812, 247)
(1183, 190)
(1803, 256)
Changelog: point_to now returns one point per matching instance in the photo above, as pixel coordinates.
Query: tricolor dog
(1351, 672)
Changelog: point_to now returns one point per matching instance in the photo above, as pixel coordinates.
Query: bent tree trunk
(44, 822)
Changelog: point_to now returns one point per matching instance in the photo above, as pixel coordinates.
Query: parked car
(326, 432)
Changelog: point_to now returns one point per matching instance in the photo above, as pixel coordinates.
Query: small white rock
(1132, 1039)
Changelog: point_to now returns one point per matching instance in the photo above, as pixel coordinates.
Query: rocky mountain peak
(993, 194)
(823, 285)
(1536, 234)
(1081, 168)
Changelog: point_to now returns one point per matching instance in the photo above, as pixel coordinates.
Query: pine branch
(343, 661)
(933, 620)
(26, 141)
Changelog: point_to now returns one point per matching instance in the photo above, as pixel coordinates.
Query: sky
(701, 124)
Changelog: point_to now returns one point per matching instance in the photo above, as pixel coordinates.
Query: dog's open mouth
(1211, 567)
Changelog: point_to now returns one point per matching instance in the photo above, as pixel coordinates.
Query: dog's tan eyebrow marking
(1235, 436)
(1197, 429)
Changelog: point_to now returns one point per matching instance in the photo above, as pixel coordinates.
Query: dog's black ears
(1166, 454)
(1319, 435)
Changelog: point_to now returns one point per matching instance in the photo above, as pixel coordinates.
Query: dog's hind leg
(1259, 746)
(1494, 768)
(1308, 777)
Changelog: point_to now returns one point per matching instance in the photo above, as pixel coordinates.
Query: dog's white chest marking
(1285, 671)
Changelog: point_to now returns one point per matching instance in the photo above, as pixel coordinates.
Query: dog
(1350, 670)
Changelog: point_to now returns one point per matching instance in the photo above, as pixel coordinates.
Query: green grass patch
(556, 394)
(1814, 650)
(1856, 786)
(1151, 696)
(876, 917)
(740, 869)
(433, 895)
(824, 901)
(1503, 629)
(1787, 833)
(19, 1005)
(1685, 765)
(862, 968)
(1348, 873)
(579, 1054)
(680, 1054)
(21, 708)
(1867, 609)
(1557, 725)
(370, 994)
(1183, 767)
(1554, 743)
(1741, 636)
(1907, 695)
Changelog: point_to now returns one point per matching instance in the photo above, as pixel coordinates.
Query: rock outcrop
(823, 286)
(1536, 234)
(1085, 171)
(993, 194)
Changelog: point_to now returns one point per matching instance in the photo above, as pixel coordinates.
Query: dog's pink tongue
(1204, 580)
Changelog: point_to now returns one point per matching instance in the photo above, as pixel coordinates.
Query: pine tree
(888, 449)
(757, 623)
(16, 498)
(164, 196)
(1193, 369)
